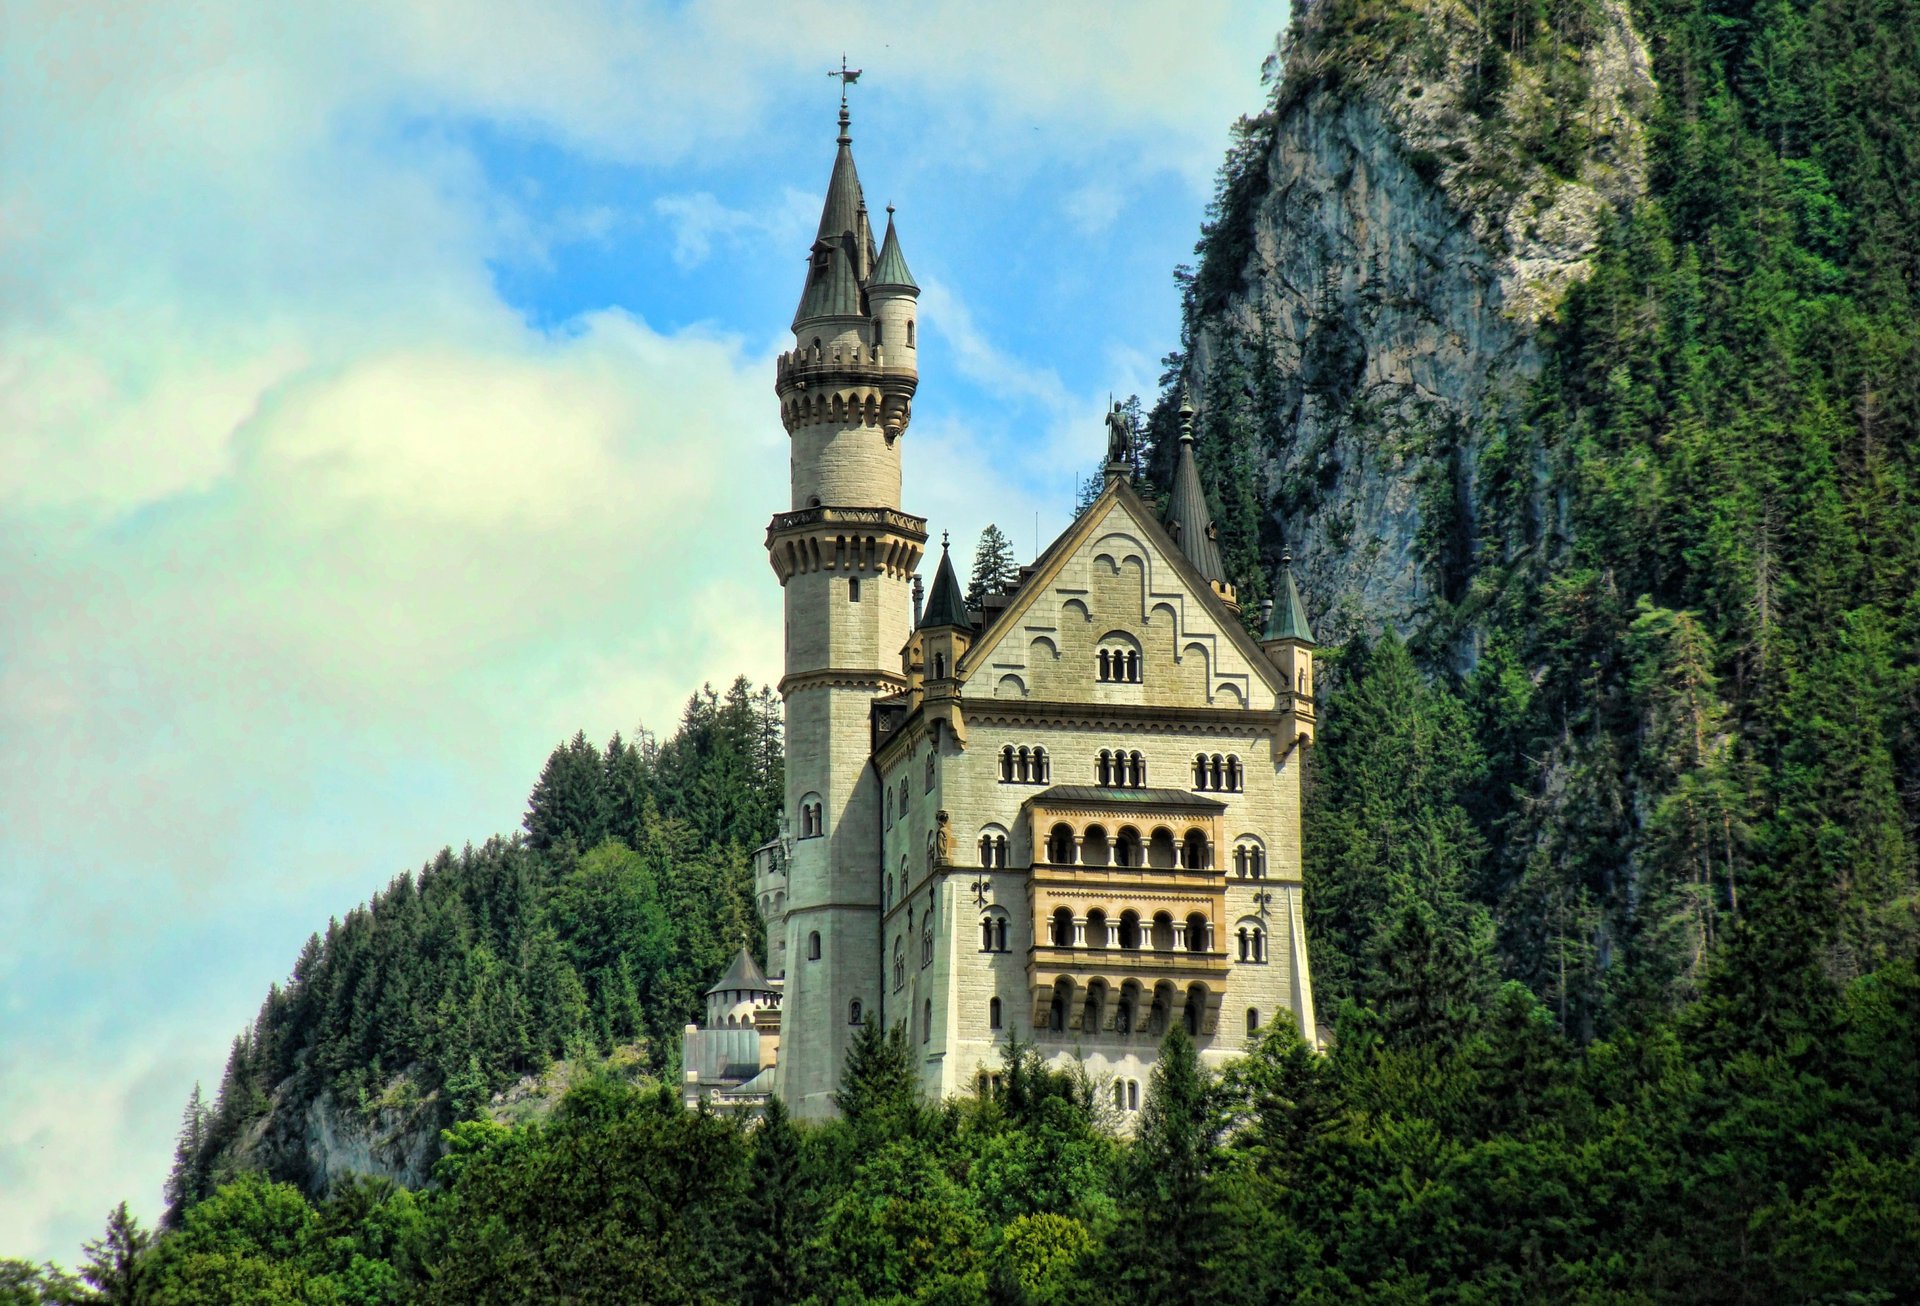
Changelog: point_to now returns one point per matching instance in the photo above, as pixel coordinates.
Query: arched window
(926, 940)
(1104, 770)
(1196, 933)
(1200, 771)
(1062, 928)
(1042, 768)
(813, 946)
(1000, 934)
(1057, 1014)
(1106, 667)
(1218, 776)
(899, 964)
(887, 901)
(1194, 1013)
(1006, 764)
(1119, 1095)
(1162, 932)
(1117, 660)
(1126, 847)
(926, 1021)
(1123, 1015)
(1130, 929)
(929, 771)
(879, 331)
(1235, 782)
(1094, 1008)
(1096, 928)
(1133, 665)
(1060, 846)
(909, 333)
(1193, 851)
(939, 666)
(1133, 1095)
(929, 852)
(986, 934)
(854, 1014)
(993, 1013)
(853, 589)
(1136, 771)
(1023, 765)
(1249, 858)
(1253, 1021)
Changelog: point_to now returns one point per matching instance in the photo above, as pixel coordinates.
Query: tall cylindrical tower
(845, 555)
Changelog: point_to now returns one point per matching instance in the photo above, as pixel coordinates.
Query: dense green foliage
(1485, 1158)
(599, 931)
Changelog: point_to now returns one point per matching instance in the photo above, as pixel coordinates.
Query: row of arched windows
(1130, 933)
(1025, 766)
(993, 851)
(1093, 848)
(1221, 774)
(1126, 1095)
(1119, 664)
(1126, 1016)
(993, 932)
(1120, 770)
(812, 819)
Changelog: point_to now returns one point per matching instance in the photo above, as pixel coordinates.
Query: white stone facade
(931, 872)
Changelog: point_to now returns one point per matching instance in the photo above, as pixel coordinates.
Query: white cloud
(700, 221)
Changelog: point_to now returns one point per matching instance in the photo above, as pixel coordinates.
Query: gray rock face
(1404, 255)
(397, 1143)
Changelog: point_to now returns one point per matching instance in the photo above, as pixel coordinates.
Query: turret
(1188, 519)
(1288, 641)
(944, 634)
(893, 298)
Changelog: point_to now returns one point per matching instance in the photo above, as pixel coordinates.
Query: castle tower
(845, 554)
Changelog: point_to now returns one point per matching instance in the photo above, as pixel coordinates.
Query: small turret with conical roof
(1188, 519)
(1288, 641)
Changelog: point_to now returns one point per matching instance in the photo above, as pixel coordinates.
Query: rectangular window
(853, 589)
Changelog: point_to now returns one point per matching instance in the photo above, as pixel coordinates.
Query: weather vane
(848, 76)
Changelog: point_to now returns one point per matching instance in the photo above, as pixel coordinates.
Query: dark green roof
(744, 976)
(833, 266)
(833, 286)
(1188, 520)
(891, 270)
(1288, 620)
(945, 606)
(1102, 796)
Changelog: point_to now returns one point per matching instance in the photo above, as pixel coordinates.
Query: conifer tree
(569, 802)
(113, 1264)
(994, 568)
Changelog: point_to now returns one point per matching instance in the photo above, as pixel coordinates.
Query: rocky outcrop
(1414, 231)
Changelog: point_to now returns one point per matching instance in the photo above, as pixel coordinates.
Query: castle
(1071, 814)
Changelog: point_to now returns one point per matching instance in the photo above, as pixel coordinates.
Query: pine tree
(570, 800)
(113, 1263)
(994, 568)
(1174, 1155)
(878, 1094)
(188, 1182)
(781, 1212)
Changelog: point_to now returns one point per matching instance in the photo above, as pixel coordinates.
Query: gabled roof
(891, 270)
(945, 606)
(743, 976)
(1117, 497)
(1288, 620)
(1188, 520)
(1106, 796)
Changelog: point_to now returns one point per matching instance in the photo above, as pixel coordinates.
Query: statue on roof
(1119, 436)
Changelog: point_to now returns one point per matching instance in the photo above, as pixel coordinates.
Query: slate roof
(1188, 520)
(891, 270)
(1102, 796)
(945, 606)
(744, 976)
(1288, 620)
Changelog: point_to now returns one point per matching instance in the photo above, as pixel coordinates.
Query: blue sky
(385, 394)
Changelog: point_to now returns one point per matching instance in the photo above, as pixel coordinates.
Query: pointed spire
(1288, 617)
(833, 268)
(1188, 520)
(891, 271)
(945, 607)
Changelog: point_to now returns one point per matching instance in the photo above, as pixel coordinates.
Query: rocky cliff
(1405, 221)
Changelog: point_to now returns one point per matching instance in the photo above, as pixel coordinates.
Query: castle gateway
(1071, 815)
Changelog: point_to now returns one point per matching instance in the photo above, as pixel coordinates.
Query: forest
(1614, 932)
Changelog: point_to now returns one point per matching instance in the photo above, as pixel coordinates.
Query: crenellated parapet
(844, 385)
